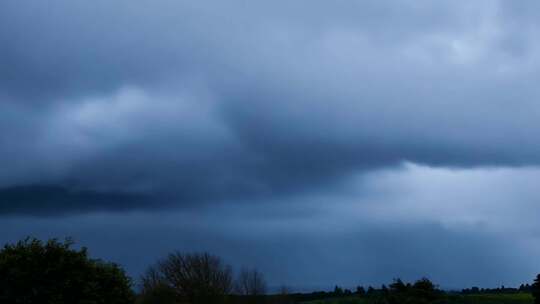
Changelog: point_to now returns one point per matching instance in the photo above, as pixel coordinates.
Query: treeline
(33, 271)
(502, 289)
(421, 291)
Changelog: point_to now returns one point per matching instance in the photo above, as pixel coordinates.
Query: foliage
(422, 291)
(536, 290)
(361, 291)
(32, 271)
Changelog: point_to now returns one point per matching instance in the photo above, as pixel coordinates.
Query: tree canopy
(32, 271)
(536, 289)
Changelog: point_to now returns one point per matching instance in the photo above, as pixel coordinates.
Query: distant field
(516, 298)
(352, 300)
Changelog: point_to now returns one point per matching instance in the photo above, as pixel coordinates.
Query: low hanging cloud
(183, 104)
(460, 227)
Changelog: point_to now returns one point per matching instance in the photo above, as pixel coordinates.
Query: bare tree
(155, 289)
(152, 279)
(251, 283)
(197, 278)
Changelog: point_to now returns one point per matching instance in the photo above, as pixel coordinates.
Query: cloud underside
(184, 104)
(450, 225)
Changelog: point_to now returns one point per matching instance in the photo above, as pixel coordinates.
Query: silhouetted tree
(398, 286)
(535, 288)
(425, 289)
(360, 291)
(196, 278)
(155, 289)
(250, 283)
(524, 287)
(32, 271)
(424, 284)
(422, 291)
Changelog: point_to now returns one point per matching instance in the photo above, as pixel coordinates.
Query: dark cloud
(54, 200)
(304, 258)
(296, 109)
(197, 102)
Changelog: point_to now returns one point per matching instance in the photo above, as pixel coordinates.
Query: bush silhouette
(536, 289)
(32, 271)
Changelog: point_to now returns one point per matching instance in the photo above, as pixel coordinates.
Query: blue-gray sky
(323, 142)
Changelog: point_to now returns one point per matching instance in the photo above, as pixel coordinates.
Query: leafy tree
(32, 271)
(535, 288)
(398, 286)
(338, 291)
(360, 291)
(424, 284)
(425, 289)
(422, 291)
(524, 287)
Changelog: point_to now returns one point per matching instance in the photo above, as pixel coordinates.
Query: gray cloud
(451, 225)
(55, 200)
(276, 119)
(196, 102)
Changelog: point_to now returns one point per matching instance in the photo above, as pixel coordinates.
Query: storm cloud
(133, 110)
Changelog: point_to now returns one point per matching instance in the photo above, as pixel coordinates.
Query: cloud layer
(395, 124)
(193, 102)
(459, 227)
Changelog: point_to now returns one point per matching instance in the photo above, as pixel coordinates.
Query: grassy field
(352, 300)
(515, 298)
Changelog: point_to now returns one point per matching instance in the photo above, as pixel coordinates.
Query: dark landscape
(33, 271)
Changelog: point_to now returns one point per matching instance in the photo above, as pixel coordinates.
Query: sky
(322, 142)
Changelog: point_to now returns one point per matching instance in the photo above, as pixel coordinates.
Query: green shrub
(32, 271)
